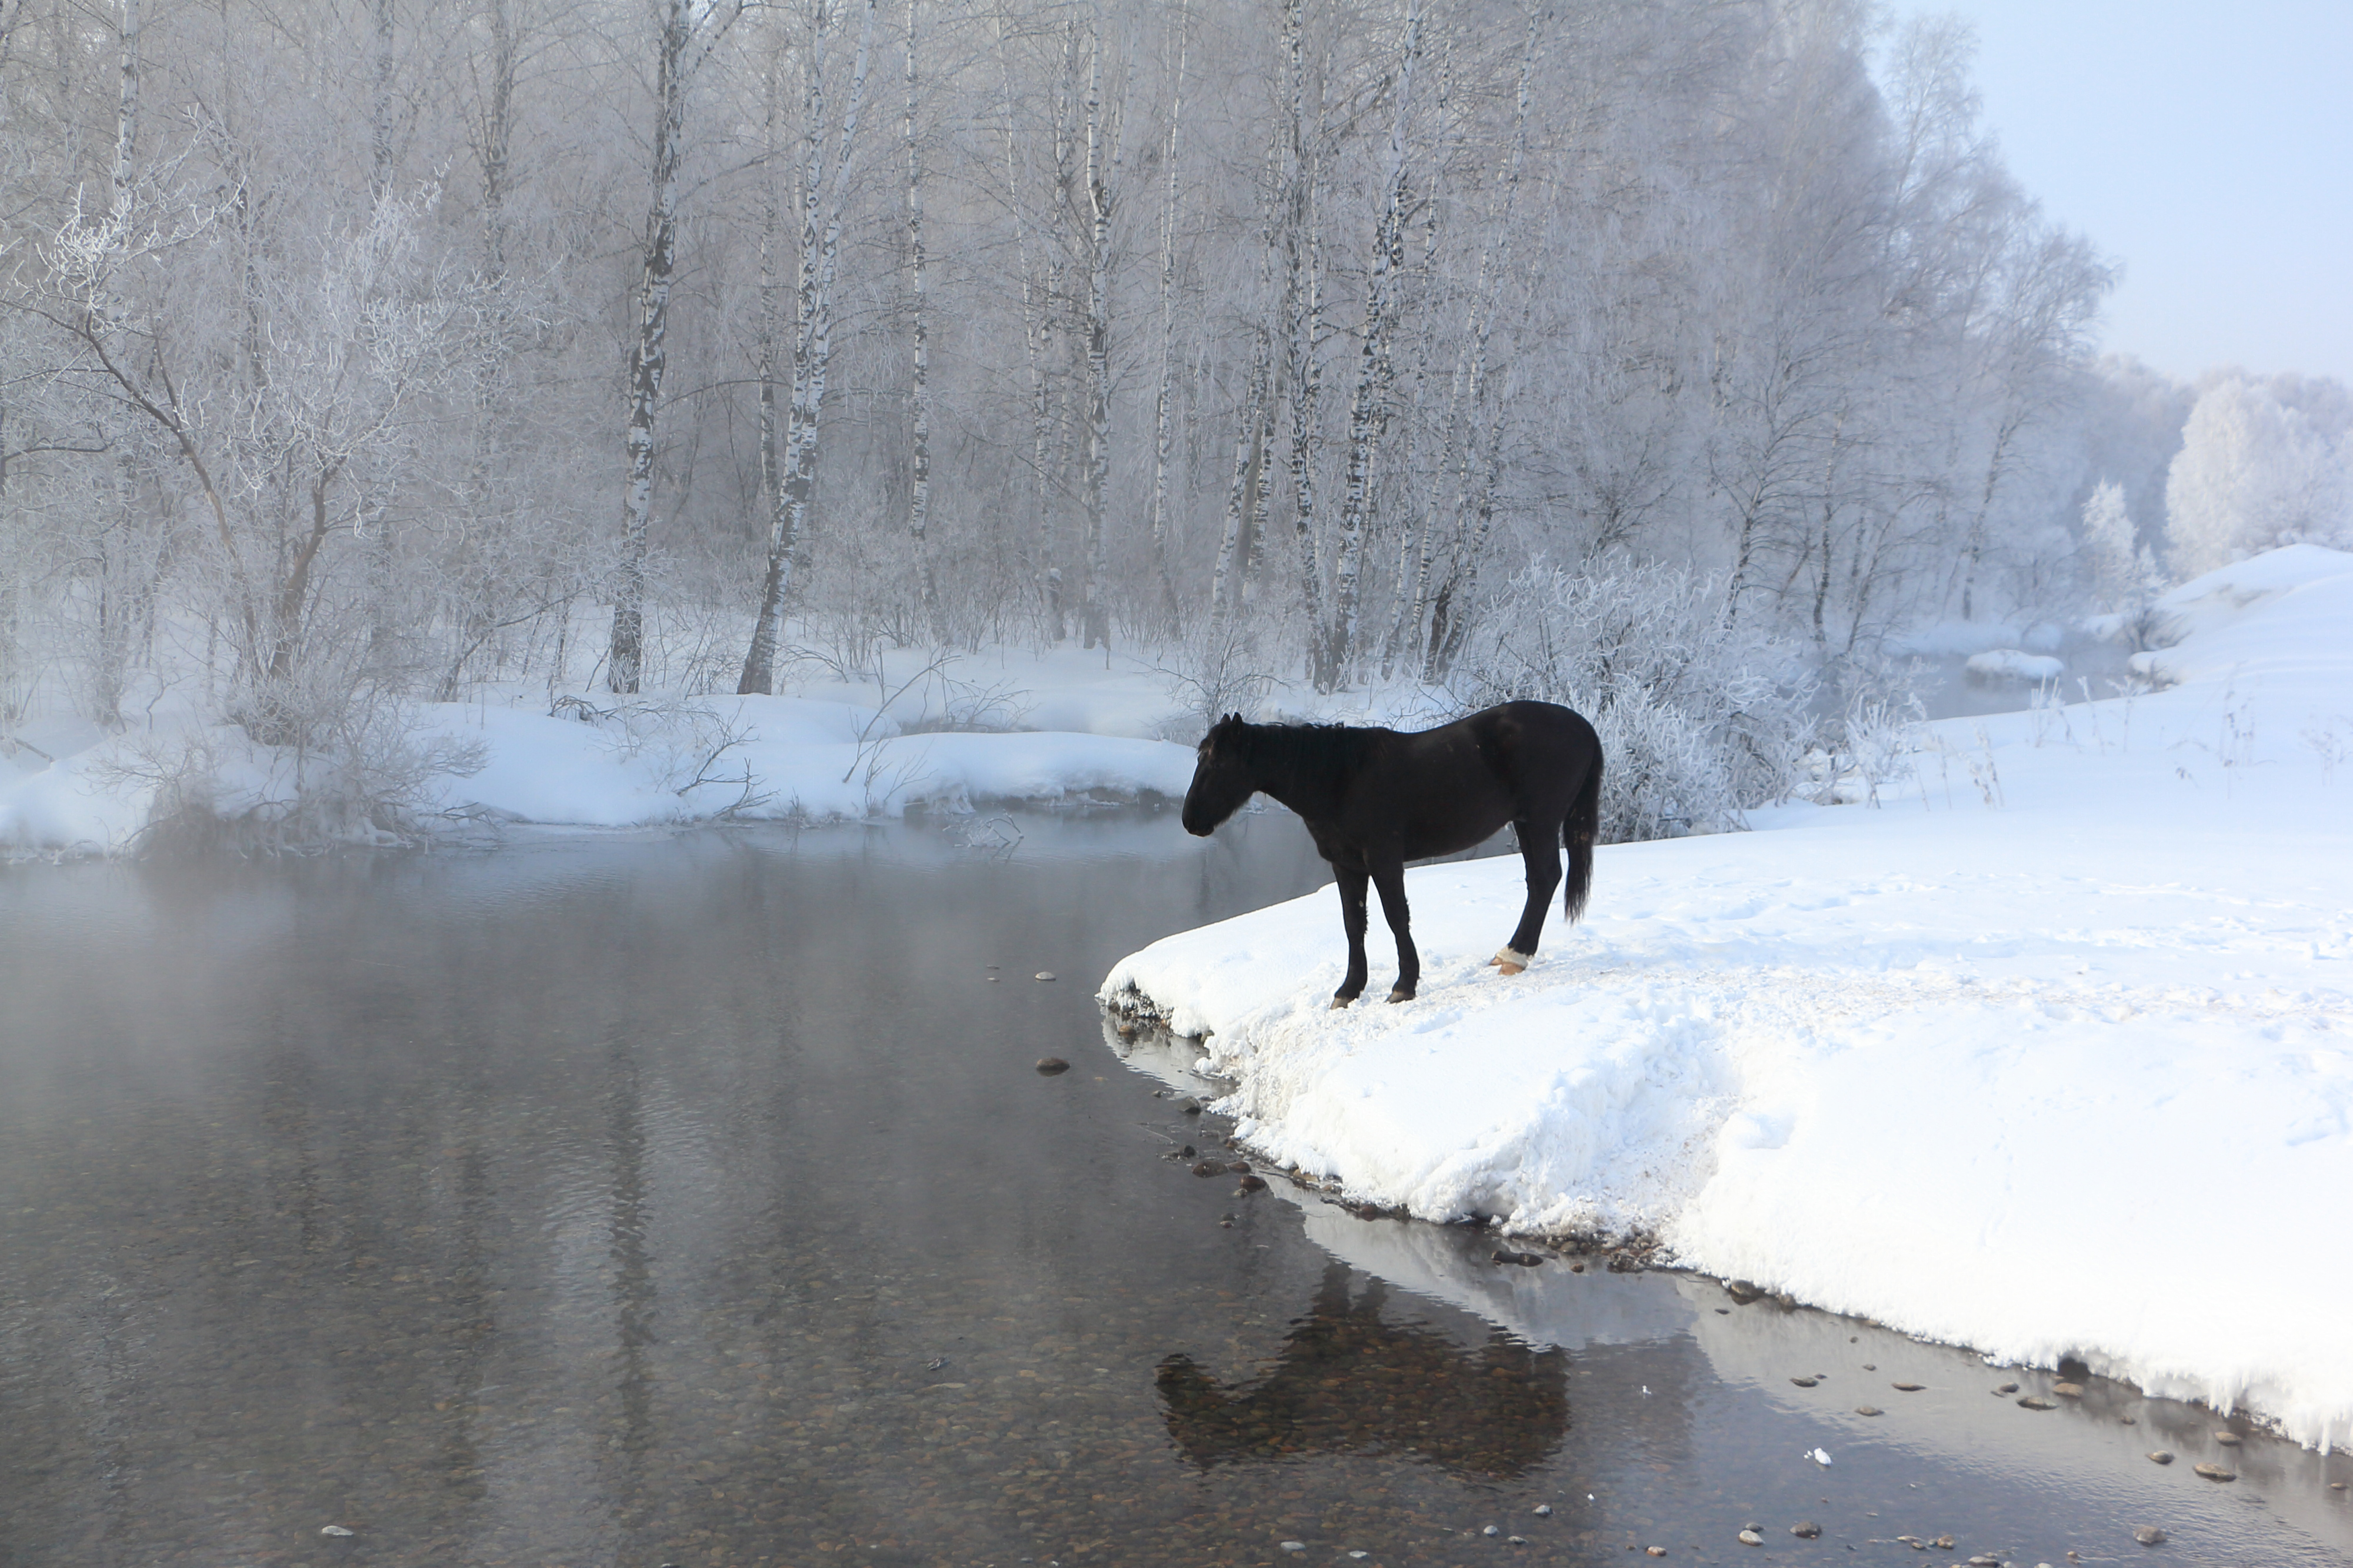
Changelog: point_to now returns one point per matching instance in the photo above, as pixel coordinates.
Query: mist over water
(695, 1200)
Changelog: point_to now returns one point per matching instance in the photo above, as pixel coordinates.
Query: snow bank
(2009, 664)
(2053, 1054)
(748, 758)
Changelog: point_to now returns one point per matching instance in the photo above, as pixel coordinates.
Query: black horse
(1374, 799)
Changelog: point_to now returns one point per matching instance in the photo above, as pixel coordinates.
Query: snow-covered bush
(1700, 717)
(2014, 667)
(1216, 668)
(369, 780)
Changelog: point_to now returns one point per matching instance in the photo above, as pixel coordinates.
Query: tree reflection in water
(1348, 1381)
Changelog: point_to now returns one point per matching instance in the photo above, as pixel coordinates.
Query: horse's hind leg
(1352, 918)
(1540, 851)
(1389, 878)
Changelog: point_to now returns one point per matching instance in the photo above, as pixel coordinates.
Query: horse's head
(1223, 777)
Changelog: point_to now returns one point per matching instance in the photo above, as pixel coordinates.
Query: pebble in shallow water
(2032, 1401)
(1544, 1510)
(336, 1530)
(1869, 1410)
(1045, 974)
(2161, 1457)
(1049, 1065)
(2228, 1439)
(2149, 1535)
(2068, 1390)
(1807, 1530)
(1750, 1538)
(2215, 1472)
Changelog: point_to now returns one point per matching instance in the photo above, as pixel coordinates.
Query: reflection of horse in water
(1349, 1383)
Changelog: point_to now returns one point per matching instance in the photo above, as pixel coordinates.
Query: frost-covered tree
(2123, 571)
(1314, 321)
(2252, 473)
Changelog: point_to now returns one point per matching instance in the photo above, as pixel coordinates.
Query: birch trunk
(820, 248)
(1101, 188)
(919, 489)
(126, 121)
(374, 522)
(1160, 421)
(1482, 461)
(649, 355)
(467, 576)
(1303, 319)
(1369, 409)
(1249, 444)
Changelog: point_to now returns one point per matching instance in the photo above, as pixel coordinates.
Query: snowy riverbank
(1041, 729)
(2051, 1054)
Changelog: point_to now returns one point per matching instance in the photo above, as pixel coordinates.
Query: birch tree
(1369, 408)
(683, 41)
(1303, 319)
(1102, 185)
(919, 400)
(823, 190)
(1161, 433)
(1439, 625)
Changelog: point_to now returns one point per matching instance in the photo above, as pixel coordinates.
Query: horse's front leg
(1388, 876)
(1352, 919)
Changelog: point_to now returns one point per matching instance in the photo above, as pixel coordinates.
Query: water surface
(695, 1200)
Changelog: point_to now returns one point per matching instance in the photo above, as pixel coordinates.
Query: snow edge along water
(2047, 1057)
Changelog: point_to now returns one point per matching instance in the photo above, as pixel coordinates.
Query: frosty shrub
(369, 780)
(1699, 720)
(1216, 668)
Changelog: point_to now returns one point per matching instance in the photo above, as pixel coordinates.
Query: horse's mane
(1316, 745)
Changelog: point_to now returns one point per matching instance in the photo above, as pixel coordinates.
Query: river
(697, 1200)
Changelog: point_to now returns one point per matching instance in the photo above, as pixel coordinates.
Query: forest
(1671, 356)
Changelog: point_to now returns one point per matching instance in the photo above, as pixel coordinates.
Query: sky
(2206, 146)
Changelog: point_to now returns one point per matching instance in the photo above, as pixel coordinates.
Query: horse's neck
(1303, 770)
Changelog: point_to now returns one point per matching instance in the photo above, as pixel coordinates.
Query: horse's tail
(1577, 831)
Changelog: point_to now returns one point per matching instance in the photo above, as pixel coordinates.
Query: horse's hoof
(1340, 1002)
(1511, 960)
(1400, 994)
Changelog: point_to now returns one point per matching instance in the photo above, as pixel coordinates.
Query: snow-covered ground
(2049, 1054)
(1038, 728)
